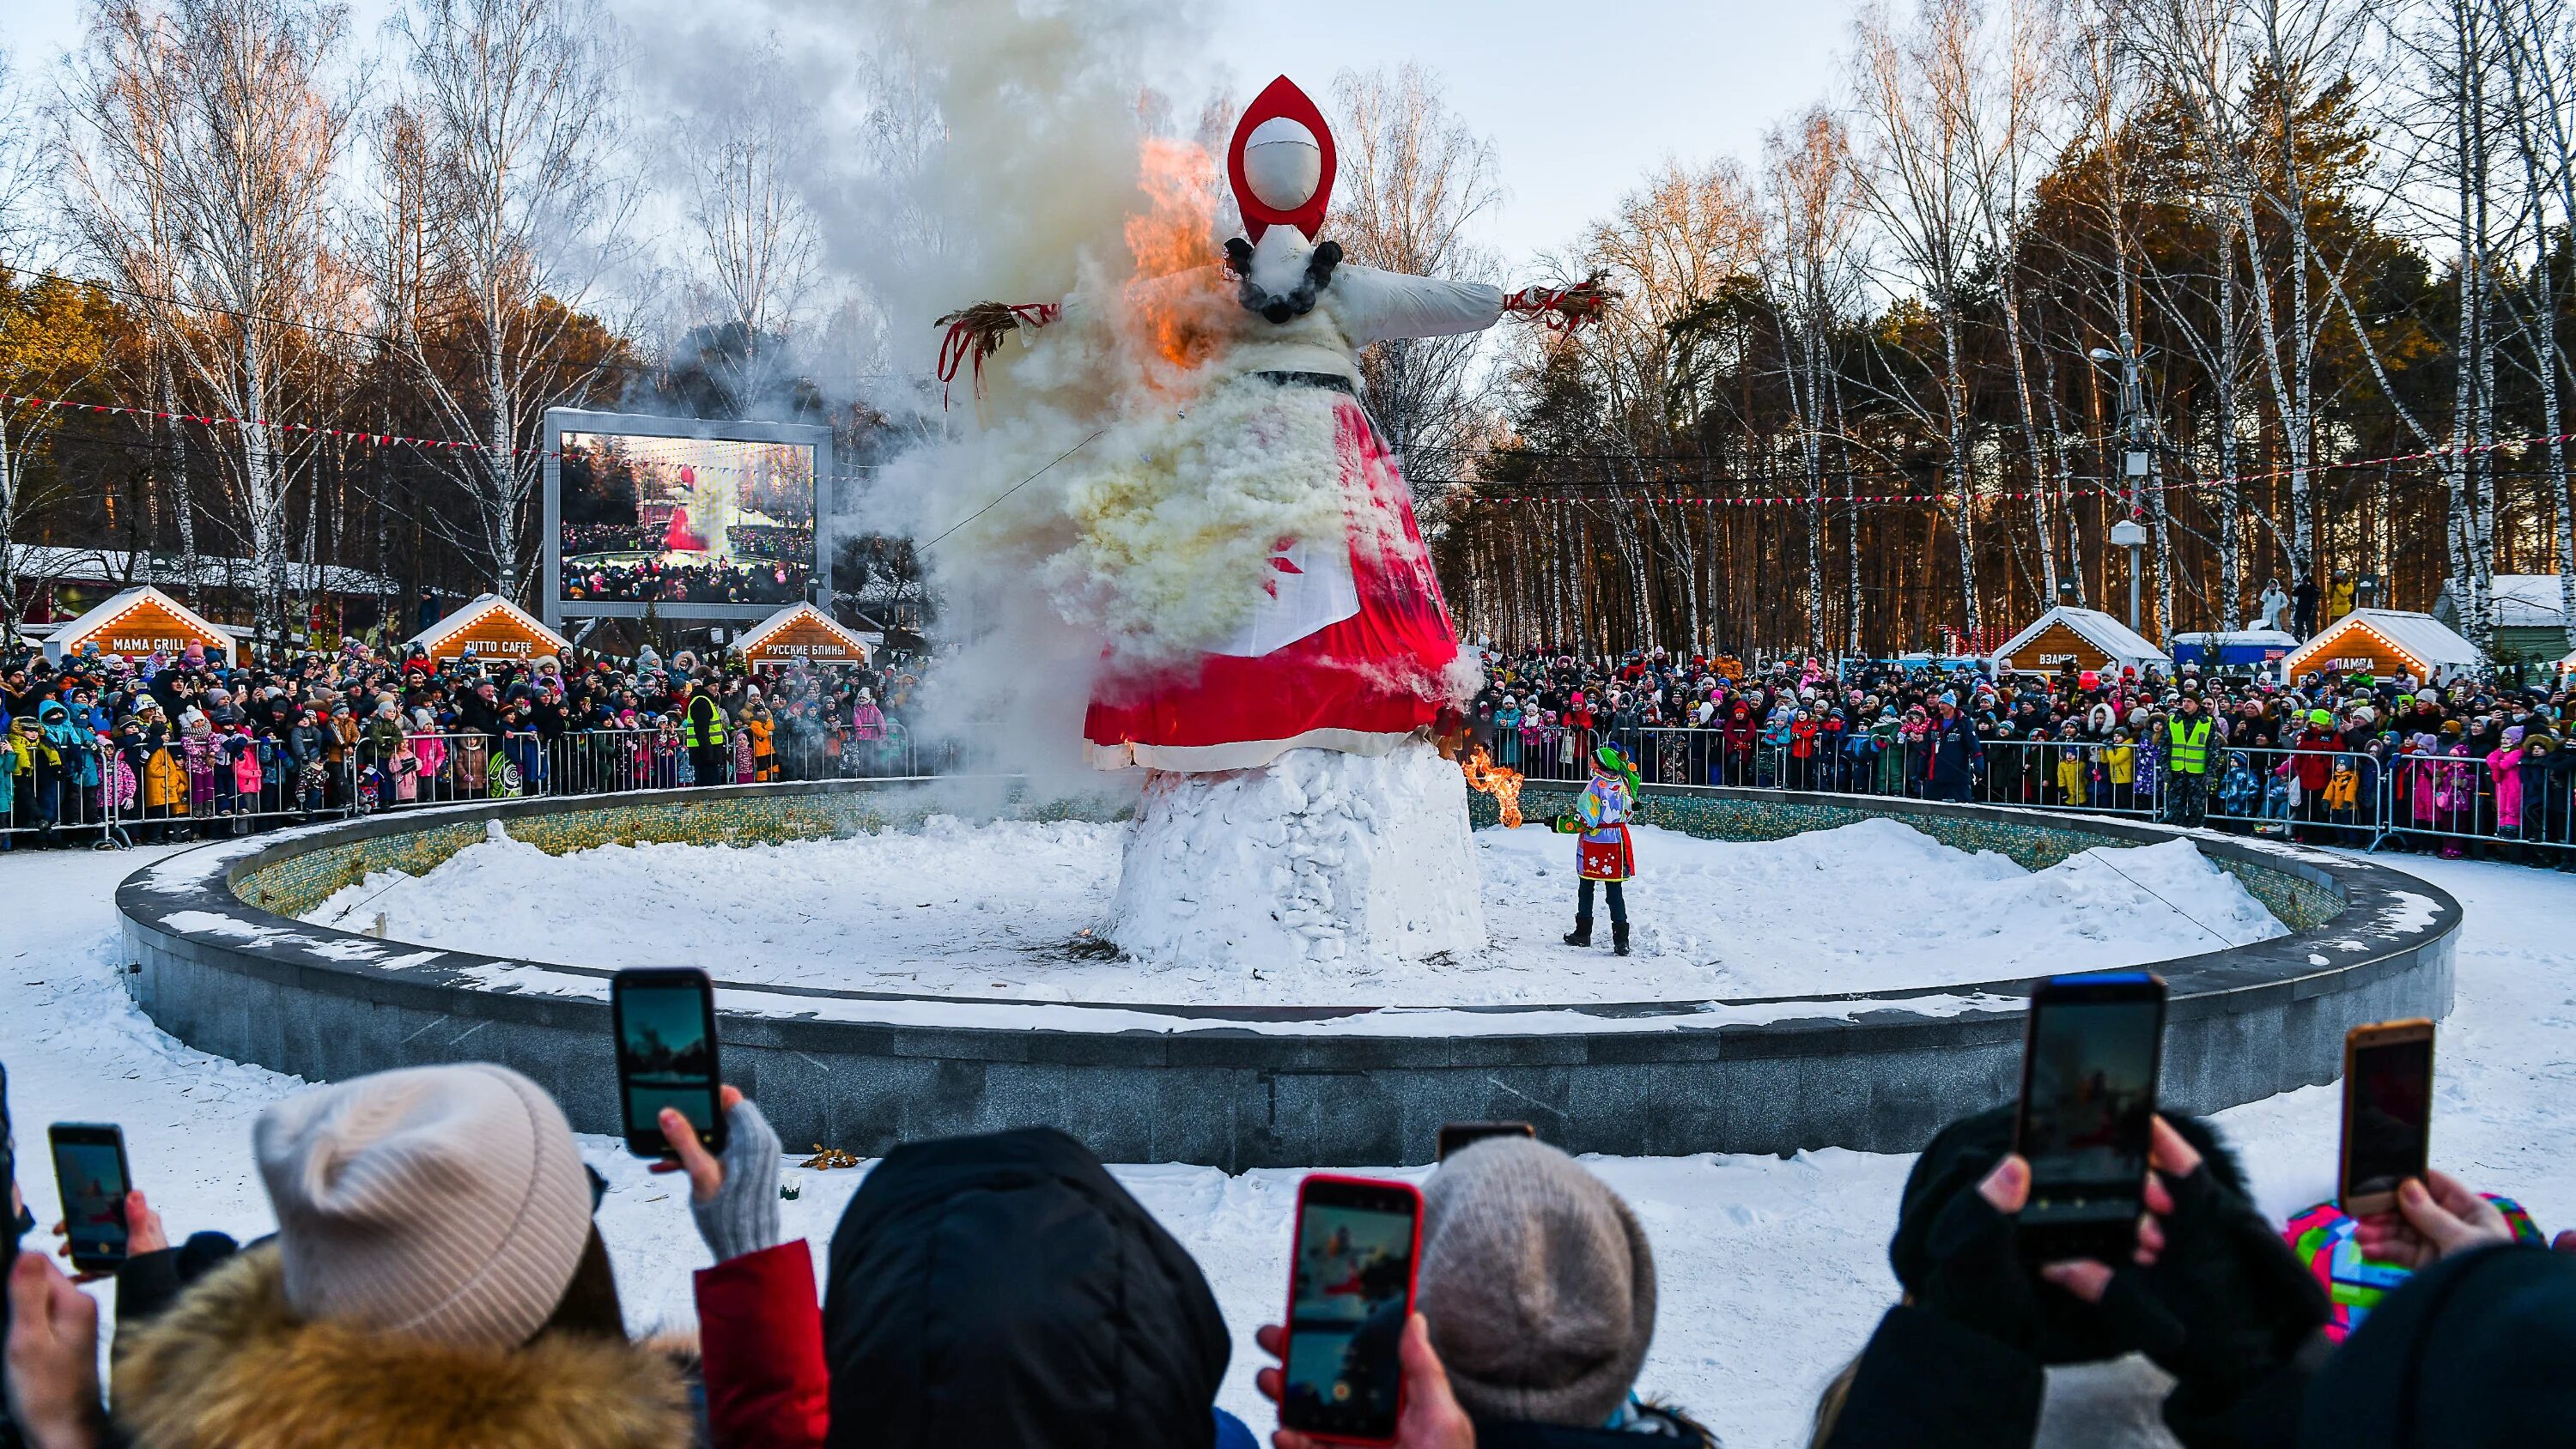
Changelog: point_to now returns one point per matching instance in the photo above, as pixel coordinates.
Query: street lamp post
(2126, 534)
(2137, 459)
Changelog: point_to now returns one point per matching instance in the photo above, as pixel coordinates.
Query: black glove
(1976, 1277)
(2244, 1303)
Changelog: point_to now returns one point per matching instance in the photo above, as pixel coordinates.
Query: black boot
(1619, 937)
(1581, 935)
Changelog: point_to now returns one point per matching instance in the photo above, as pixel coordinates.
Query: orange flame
(1504, 785)
(1170, 239)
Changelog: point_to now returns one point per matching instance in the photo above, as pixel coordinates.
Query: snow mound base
(1317, 858)
(1016, 909)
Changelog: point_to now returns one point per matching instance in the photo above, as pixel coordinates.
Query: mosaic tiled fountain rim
(2334, 905)
(216, 965)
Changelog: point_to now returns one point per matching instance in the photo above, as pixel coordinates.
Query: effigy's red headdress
(1292, 180)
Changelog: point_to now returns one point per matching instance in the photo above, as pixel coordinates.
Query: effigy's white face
(1283, 164)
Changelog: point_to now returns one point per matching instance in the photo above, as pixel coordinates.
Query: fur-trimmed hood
(231, 1366)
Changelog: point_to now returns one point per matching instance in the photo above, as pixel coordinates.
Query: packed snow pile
(1317, 859)
(1019, 909)
(1878, 905)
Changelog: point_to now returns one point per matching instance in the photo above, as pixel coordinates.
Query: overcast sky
(1580, 100)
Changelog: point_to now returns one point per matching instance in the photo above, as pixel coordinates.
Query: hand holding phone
(1431, 1417)
(2431, 1218)
(1353, 1259)
(2387, 1113)
(2088, 1109)
(666, 1056)
(90, 1169)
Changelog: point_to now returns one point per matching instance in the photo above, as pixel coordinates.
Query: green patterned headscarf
(1612, 760)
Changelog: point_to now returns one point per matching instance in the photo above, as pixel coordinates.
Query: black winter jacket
(1005, 1290)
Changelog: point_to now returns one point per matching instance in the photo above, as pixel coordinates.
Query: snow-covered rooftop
(2123, 644)
(42, 562)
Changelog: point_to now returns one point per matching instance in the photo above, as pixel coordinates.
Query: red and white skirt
(1614, 858)
(1352, 650)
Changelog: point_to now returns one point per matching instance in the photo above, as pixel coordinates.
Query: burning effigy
(1276, 652)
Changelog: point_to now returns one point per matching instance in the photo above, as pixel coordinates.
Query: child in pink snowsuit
(2506, 763)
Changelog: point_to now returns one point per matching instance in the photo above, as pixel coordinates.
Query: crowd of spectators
(437, 1278)
(672, 583)
(2463, 765)
(188, 744)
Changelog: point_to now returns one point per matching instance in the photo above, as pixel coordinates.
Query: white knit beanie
(1538, 1283)
(443, 1203)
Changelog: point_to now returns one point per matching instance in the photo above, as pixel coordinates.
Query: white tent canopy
(2122, 646)
(2399, 640)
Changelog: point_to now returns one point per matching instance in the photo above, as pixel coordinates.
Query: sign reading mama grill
(137, 624)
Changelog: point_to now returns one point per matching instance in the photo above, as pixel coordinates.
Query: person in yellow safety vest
(2187, 764)
(702, 733)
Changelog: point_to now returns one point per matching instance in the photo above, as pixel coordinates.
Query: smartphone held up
(89, 1167)
(1351, 1277)
(2088, 1102)
(2387, 1113)
(666, 1055)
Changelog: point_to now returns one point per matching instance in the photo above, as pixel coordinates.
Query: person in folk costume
(1350, 647)
(1603, 851)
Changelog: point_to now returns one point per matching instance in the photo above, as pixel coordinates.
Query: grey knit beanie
(1538, 1283)
(442, 1203)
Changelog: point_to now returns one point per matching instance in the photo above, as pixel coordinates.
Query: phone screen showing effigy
(1351, 1288)
(89, 1166)
(2388, 1114)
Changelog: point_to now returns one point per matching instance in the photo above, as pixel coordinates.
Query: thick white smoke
(1093, 500)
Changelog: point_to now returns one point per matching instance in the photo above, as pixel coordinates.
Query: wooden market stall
(800, 634)
(138, 622)
(490, 628)
(2386, 642)
(2088, 639)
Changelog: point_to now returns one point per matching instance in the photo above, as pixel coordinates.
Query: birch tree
(1924, 180)
(2538, 47)
(754, 240)
(1415, 183)
(1810, 280)
(515, 107)
(202, 136)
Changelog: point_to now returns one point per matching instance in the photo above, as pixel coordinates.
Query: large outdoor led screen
(682, 521)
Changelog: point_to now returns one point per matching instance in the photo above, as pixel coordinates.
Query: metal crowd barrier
(73, 802)
(108, 794)
(2346, 797)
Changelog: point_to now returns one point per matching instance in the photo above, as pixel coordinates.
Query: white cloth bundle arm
(1380, 306)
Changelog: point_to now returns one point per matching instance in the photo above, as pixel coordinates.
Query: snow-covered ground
(992, 910)
(1771, 1270)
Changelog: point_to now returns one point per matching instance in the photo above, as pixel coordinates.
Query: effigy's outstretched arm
(975, 333)
(1378, 306)
(1562, 309)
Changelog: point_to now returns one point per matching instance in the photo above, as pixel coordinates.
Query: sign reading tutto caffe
(490, 628)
